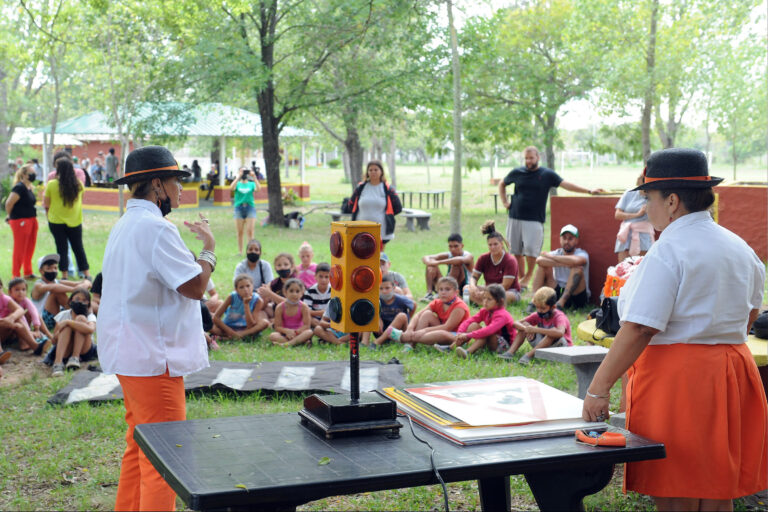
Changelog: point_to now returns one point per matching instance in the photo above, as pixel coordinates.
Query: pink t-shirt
(31, 315)
(78, 173)
(558, 319)
(307, 275)
(4, 301)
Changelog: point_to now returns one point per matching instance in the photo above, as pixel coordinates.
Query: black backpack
(607, 318)
(760, 326)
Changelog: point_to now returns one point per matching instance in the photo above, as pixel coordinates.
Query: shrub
(335, 163)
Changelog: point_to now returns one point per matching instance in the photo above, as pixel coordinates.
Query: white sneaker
(73, 362)
(58, 370)
(462, 352)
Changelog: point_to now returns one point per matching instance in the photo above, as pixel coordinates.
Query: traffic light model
(355, 276)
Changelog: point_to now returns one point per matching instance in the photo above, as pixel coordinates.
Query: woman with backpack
(374, 200)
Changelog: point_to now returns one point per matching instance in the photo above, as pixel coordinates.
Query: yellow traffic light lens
(337, 245)
(337, 277)
(334, 310)
(364, 245)
(363, 279)
(361, 312)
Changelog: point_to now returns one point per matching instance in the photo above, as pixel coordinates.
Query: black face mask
(31, 176)
(164, 204)
(545, 316)
(284, 272)
(79, 308)
(50, 276)
(253, 257)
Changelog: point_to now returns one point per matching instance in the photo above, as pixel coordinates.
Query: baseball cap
(570, 228)
(48, 258)
(383, 257)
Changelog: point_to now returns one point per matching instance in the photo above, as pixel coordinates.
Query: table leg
(495, 203)
(442, 200)
(420, 200)
(494, 493)
(584, 374)
(565, 490)
(409, 224)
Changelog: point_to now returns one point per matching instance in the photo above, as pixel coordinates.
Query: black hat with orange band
(150, 162)
(677, 168)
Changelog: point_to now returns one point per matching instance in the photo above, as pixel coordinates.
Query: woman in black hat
(150, 327)
(685, 315)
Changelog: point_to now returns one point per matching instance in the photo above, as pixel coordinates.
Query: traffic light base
(336, 415)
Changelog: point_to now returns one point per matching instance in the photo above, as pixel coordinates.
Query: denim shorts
(245, 211)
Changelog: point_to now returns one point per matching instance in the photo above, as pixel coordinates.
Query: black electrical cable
(431, 461)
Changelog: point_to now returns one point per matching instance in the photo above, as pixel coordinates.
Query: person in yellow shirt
(63, 204)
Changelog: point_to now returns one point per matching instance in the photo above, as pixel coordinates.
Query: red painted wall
(597, 231)
(741, 209)
(744, 210)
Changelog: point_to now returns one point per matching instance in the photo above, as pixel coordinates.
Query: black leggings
(63, 233)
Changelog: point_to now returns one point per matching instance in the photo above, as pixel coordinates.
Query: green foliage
(334, 163)
(623, 140)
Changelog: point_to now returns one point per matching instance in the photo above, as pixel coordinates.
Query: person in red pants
(22, 217)
(150, 329)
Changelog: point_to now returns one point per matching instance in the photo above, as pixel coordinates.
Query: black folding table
(272, 462)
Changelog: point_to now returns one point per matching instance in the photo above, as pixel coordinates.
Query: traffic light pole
(354, 368)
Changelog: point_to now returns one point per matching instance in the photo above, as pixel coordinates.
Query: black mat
(304, 376)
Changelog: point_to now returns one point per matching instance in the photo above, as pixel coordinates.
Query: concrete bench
(422, 218)
(336, 215)
(585, 361)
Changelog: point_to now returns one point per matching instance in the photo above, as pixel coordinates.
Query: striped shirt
(317, 300)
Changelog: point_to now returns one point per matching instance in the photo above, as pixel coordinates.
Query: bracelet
(208, 257)
(592, 395)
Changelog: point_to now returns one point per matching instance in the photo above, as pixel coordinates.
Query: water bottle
(465, 297)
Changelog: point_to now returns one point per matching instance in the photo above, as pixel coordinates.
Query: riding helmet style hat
(677, 168)
(150, 162)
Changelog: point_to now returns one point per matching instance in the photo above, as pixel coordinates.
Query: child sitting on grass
(499, 325)
(272, 293)
(307, 269)
(236, 321)
(73, 333)
(395, 311)
(14, 326)
(17, 289)
(438, 322)
(292, 324)
(319, 294)
(548, 327)
(325, 332)
(49, 295)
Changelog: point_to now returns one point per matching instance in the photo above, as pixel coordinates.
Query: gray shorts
(525, 237)
(538, 337)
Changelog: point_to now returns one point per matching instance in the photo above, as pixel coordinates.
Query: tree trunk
(6, 131)
(270, 125)
(391, 159)
(345, 162)
(355, 152)
(456, 70)
(549, 146)
(650, 63)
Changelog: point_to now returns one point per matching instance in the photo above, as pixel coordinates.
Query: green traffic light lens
(334, 310)
(362, 311)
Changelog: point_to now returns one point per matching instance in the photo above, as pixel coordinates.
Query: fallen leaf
(241, 486)
(178, 446)
(324, 461)
(216, 435)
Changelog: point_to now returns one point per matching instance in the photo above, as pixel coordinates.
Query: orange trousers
(147, 400)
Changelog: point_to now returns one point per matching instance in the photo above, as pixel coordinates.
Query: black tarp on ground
(304, 376)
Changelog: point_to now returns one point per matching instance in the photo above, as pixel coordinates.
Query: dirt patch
(21, 367)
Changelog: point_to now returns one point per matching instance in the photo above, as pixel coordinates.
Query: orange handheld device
(601, 438)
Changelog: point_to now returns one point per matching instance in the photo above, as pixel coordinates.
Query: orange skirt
(706, 403)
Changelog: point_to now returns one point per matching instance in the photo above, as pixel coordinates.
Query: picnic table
(438, 197)
(496, 201)
(271, 462)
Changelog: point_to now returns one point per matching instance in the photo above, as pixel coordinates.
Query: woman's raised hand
(203, 231)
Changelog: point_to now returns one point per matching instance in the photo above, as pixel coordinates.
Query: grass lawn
(68, 457)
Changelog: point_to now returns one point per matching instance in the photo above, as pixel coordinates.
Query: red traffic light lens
(334, 310)
(337, 277)
(362, 311)
(364, 245)
(363, 279)
(337, 245)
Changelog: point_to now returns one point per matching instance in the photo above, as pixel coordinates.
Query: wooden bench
(336, 215)
(422, 218)
(585, 361)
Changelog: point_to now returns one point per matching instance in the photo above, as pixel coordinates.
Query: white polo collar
(144, 205)
(685, 221)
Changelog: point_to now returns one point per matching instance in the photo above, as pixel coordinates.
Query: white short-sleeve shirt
(144, 323)
(697, 284)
